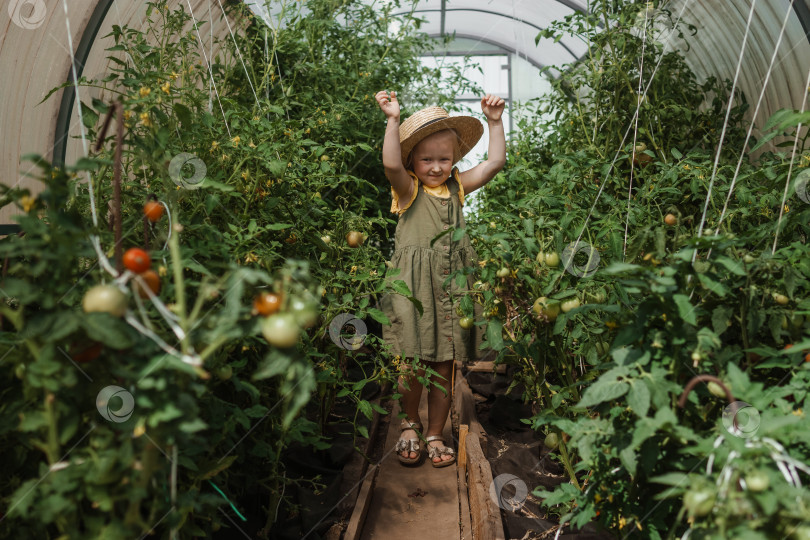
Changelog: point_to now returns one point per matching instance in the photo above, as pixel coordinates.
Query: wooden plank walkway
(416, 501)
(449, 503)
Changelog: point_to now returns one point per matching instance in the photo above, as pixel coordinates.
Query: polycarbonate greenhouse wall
(40, 38)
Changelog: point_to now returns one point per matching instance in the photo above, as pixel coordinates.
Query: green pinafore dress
(435, 335)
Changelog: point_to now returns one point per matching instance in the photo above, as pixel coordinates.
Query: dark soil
(513, 448)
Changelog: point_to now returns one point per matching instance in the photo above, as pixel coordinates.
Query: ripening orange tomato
(153, 211)
(152, 281)
(267, 303)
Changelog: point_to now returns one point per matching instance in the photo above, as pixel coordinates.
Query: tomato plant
(636, 325)
(286, 173)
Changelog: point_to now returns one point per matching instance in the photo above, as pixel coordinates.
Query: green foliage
(608, 374)
(285, 135)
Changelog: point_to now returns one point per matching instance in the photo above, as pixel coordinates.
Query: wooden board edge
(465, 522)
(466, 411)
(362, 505)
(485, 514)
(357, 461)
(463, 430)
(486, 366)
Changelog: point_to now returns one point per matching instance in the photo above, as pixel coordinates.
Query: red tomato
(153, 211)
(137, 260)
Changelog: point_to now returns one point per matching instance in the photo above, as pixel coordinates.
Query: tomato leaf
(109, 330)
(183, 114)
(731, 265)
(365, 408)
(401, 287)
(274, 363)
(378, 316)
(712, 285)
(720, 318)
(603, 390)
(257, 411)
(494, 337)
(685, 308)
(638, 399)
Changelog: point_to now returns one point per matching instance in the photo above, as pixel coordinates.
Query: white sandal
(439, 451)
(408, 445)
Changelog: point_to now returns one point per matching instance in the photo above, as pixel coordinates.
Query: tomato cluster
(110, 299)
(283, 321)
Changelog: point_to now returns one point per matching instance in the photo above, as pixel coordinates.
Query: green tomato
(568, 305)
(552, 440)
(748, 258)
(105, 298)
(716, 390)
(19, 371)
(225, 372)
(552, 259)
(757, 480)
(281, 330)
(548, 308)
(502, 272)
(304, 311)
(541, 257)
(699, 502)
(466, 322)
(781, 299)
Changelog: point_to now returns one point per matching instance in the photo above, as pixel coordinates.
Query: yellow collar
(438, 191)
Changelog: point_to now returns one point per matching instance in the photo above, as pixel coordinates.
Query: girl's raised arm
(392, 154)
(492, 107)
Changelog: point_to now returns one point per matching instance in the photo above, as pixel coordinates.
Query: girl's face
(433, 158)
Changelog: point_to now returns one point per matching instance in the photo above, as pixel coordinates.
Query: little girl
(428, 193)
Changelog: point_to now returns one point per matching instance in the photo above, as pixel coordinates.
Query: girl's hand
(492, 107)
(388, 103)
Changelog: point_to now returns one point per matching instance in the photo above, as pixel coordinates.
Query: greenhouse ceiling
(43, 39)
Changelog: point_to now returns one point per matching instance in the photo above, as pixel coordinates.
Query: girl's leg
(409, 403)
(439, 404)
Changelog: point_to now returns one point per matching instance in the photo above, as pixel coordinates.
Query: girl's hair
(456, 149)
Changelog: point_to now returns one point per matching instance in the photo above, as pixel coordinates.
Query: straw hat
(428, 121)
